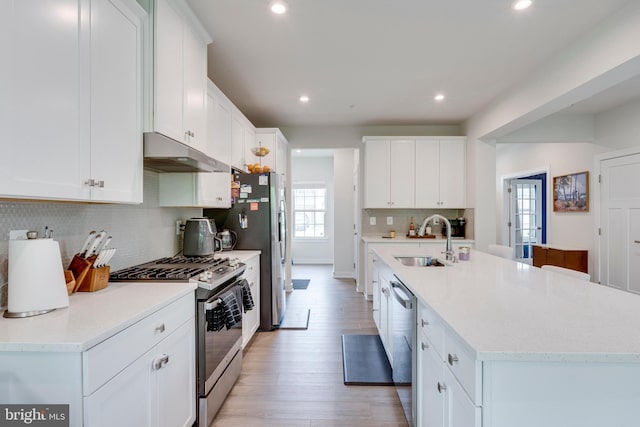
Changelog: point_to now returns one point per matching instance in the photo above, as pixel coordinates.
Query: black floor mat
(364, 361)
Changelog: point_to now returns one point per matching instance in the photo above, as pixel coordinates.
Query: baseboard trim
(299, 261)
(344, 275)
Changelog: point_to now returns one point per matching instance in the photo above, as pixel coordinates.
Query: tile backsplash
(402, 218)
(140, 232)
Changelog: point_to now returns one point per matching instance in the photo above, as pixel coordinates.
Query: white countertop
(90, 318)
(505, 310)
(404, 239)
(241, 255)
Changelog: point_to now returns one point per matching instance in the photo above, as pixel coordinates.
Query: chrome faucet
(449, 250)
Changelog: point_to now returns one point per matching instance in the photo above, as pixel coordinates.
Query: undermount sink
(419, 261)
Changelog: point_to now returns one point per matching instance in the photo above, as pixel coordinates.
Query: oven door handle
(212, 303)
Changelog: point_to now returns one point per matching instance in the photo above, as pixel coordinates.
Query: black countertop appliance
(457, 227)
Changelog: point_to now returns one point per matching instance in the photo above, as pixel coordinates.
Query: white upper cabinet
(440, 173)
(180, 72)
(201, 189)
(116, 104)
(414, 172)
(389, 173)
(219, 111)
(74, 131)
(275, 141)
(243, 135)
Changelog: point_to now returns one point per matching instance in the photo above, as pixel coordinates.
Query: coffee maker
(457, 227)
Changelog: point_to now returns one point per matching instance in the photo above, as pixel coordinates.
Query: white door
(620, 223)
(525, 217)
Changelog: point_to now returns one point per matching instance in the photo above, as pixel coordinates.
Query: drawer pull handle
(161, 362)
(452, 359)
(424, 346)
(441, 387)
(160, 328)
(636, 241)
(424, 323)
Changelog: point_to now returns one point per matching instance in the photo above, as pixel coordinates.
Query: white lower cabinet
(158, 389)
(430, 374)
(145, 375)
(251, 318)
(386, 315)
(447, 375)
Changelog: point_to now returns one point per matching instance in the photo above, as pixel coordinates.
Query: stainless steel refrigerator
(258, 217)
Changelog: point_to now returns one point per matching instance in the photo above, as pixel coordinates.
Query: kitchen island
(503, 344)
(123, 355)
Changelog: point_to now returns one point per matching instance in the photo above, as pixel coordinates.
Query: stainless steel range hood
(163, 154)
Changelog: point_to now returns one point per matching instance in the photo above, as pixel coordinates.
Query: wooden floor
(294, 377)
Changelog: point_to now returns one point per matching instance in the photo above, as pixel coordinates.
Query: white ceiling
(380, 62)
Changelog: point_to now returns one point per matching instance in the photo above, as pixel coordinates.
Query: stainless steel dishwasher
(403, 339)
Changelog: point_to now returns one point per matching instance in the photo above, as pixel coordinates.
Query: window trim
(310, 185)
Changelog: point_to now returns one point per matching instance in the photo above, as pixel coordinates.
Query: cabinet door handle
(160, 328)
(452, 358)
(424, 323)
(161, 362)
(94, 183)
(636, 241)
(441, 387)
(424, 346)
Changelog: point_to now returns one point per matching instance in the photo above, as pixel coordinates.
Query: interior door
(620, 223)
(525, 217)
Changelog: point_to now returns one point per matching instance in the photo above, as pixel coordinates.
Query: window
(309, 209)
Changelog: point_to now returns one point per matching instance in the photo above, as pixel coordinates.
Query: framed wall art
(571, 192)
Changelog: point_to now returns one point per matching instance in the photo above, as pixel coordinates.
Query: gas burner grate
(182, 259)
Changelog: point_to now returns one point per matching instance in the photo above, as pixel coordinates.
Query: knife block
(95, 279)
(80, 267)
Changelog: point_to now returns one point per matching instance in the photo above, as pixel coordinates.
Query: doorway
(324, 206)
(525, 213)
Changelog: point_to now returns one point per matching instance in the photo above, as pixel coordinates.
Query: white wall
(314, 170)
(619, 127)
(344, 213)
(565, 230)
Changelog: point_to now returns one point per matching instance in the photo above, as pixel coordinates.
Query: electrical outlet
(436, 221)
(389, 220)
(372, 220)
(178, 227)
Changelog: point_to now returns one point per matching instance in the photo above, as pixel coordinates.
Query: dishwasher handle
(402, 294)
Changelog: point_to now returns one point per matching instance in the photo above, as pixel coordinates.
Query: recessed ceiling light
(521, 4)
(278, 7)
(298, 151)
(439, 97)
(304, 99)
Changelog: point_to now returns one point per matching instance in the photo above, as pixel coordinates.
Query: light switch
(372, 220)
(389, 220)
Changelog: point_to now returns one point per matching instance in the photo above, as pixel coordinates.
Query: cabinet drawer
(431, 326)
(253, 266)
(464, 366)
(105, 360)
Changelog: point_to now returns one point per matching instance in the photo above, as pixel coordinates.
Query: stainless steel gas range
(218, 342)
